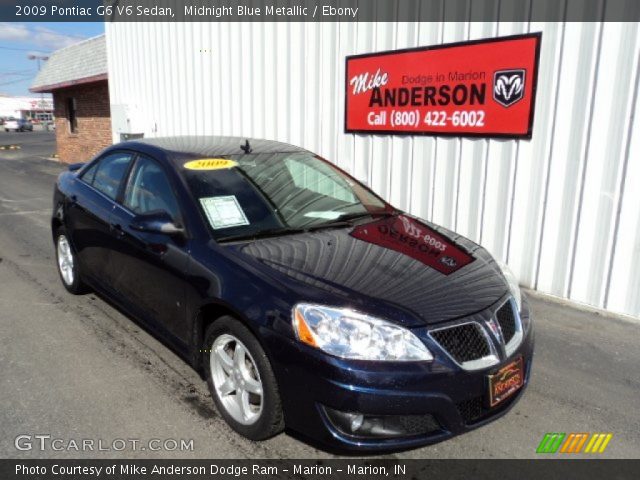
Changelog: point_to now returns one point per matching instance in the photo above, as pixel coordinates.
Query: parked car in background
(18, 125)
(303, 298)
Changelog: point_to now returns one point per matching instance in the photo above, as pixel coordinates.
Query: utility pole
(38, 58)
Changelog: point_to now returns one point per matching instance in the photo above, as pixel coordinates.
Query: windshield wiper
(345, 220)
(270, 232)
(357, 215)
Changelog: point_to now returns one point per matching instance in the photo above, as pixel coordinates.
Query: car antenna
(246, 147)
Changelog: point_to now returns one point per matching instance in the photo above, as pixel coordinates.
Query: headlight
(513, 283)
(348, 334)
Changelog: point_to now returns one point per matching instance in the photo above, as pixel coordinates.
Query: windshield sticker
(210, 164)
(328, 215)
(224, 212)
(416, 240)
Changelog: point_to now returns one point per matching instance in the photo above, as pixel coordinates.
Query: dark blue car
(307, 301)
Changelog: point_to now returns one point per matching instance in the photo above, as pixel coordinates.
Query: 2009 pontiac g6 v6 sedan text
(306, 300)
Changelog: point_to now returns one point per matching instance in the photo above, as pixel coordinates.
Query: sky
(18, 40)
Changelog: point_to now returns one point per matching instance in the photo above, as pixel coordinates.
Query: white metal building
(563, 209)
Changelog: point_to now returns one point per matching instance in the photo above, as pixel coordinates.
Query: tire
(264, 420)
(70, 276)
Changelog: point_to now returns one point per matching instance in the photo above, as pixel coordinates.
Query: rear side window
(106, 176)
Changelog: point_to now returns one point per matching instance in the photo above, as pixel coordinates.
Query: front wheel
(68, 264)
(241, 380)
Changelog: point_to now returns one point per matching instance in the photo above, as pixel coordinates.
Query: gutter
(69, 83)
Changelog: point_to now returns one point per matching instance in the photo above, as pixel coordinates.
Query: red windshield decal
(414, 239)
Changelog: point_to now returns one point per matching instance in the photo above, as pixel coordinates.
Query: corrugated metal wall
(563, 209)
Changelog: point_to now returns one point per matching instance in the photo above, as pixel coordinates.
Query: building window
(71, 113)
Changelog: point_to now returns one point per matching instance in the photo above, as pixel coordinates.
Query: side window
(109, 173)
(149, 190)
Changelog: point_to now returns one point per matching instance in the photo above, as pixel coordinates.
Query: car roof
(179, 147)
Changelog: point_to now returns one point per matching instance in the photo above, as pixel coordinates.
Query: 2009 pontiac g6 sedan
(305, 300)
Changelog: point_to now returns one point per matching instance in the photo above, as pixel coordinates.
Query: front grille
(507, 320)
(464, 342)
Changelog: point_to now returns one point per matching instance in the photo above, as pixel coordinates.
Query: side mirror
(74, 167)
(157, 222)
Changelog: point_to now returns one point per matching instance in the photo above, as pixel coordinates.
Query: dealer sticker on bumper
(506, 382)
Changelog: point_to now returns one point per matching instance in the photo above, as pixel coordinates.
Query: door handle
(117, 229)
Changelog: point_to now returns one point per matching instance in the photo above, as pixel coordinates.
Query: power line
(17, 72)
(24, 49)
(57, 34)
(16, 81)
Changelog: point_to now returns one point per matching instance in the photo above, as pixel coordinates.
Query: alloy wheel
(65, 260)
(236, 379)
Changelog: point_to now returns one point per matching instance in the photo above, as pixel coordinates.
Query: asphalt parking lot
(76, 368)
(38, 144)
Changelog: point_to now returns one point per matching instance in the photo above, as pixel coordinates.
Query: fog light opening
(381, 426)
(356, 422)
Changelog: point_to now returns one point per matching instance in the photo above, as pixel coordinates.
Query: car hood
(399, 268)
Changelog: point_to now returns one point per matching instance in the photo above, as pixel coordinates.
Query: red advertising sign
(416, 240)
(478, 88)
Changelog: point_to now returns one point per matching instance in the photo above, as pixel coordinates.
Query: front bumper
(309, 381)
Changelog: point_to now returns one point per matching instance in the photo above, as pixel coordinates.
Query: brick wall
(93, 120)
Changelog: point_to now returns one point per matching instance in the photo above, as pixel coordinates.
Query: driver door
(149, 270)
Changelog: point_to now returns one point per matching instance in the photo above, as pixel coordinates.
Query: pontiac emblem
(495, 329)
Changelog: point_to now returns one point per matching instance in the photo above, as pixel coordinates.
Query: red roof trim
(70, 83)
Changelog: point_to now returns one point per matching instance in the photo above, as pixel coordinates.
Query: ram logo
(508, 86)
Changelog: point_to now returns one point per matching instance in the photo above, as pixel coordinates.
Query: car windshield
(254, 195)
